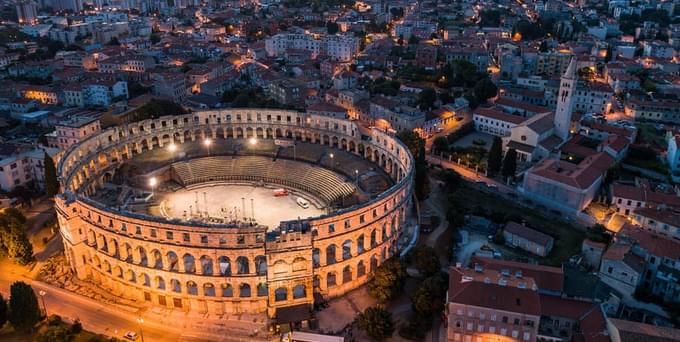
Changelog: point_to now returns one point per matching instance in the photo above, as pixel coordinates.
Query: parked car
(130, 335)
(302, 202)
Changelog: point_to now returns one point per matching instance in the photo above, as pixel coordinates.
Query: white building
(23, 167)
(338, 47)
(72, 131)
(100, 93)
(495, 121)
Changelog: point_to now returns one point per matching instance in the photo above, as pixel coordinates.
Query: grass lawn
(568, 238)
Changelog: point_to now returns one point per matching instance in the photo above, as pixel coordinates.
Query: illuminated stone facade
(220, 268)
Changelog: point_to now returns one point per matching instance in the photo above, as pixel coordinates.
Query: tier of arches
(151, 140)
(169, 260)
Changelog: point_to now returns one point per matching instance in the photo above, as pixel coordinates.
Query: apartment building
(74, 130)
(91, 93)
(23, 166)
(486, 303)
(337, 47)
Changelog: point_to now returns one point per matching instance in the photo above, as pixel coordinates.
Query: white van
(302, 202)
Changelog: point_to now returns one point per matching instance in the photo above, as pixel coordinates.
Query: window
(610, 270)
(346, 224)
(361, 219)
(505, 319)
(331, 228)
(168, 235)
(185, 237)
(241, 239)
(204, 238)
(153, 233)
(138, 230)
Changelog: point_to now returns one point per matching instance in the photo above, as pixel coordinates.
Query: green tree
(484, 89)
(388, 281)
(155, 38)
(598, 233)
(332, 27)
(428, 300)
(452, 180)
(377, 323)
(13, 240)
(413, 40)
(441, 144)
(23, 306)
(51, 182)
(3, 311)
(426, 98)
(426, 261)
(57, 333)
(509, 163)
(495, 156)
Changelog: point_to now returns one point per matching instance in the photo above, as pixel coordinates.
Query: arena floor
(225, 201)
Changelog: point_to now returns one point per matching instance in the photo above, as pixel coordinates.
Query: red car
(280, 192)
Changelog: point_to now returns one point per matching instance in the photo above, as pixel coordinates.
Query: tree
(428, 300)
(441, 144)
(426, 98)
(388, 281)
(155, 38)
(13, 240)
(598, 233)
(114, 41)
(332, 27)
(56, 333)
(413, 40)
(426, 260)
(484, 89)
(495, 156)
(3, 311)
(509, 163)
(452, 180)
(51, 182)
(23, 306)
(377, 323)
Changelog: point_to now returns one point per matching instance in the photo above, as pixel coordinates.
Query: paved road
(96, 317)
(114, 320)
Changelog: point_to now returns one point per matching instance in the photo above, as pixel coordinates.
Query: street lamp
(152, 183)
(207, 143)
(332, 161)
(252, 141)
(356, 172)
(172, 147)
(141, 331)
(42, 298)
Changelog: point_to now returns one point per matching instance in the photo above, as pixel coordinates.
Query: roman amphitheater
(181, 212)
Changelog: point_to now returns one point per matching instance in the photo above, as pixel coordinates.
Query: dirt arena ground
(226, 201)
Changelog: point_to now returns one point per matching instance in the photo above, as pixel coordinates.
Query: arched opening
(360, 244)
(330, 255)
(242, 265)
(227, 290)
(281, 294)
(209, 290)
(225, 266)
(299, 291)
(244, 290)
(143, 259)
(206, 265)
(160, 283)
(346, 274)
(330, 280)
(261, 264)
(192, 288)
(361, 269)
(374, 240)
(316, 258)
(146, 281)
(189, 263)
(374, 263)
(262, 290)
(157, 259)
(173, 262)
(175, 286)
(347, 249)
